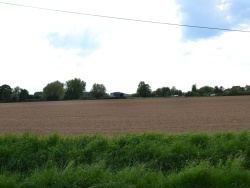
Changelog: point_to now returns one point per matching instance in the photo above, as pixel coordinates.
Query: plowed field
(129, 115)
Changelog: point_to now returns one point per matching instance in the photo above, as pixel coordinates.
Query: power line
(126, 19)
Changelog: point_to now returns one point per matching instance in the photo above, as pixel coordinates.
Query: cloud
(229, 14)
(85, 42)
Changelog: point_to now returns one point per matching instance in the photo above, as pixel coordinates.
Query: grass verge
(133, 160)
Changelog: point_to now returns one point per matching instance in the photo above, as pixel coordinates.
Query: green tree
(165, 91)
(173, 91)
(206, 90)
(153, 94)
(6, 96)
(194, 88)
(53, 91)
(38, 95)
(158, 92)
(143, 90)
(5, 87)
(222, 88)
(189, 94)
(98, 91)
(24, 94)
(74, 88)
(16, 93)
(218, 90)
(237, 91)
(180, 93)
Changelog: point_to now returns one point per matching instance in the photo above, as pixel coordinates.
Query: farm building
(86, 94)
(118, 95)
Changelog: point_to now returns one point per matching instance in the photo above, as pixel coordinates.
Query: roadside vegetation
(132, 160)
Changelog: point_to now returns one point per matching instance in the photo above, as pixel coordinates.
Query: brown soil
(123, 116)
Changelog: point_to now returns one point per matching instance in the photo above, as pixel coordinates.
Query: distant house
(86, 94)
(118, 95)
(247, 88)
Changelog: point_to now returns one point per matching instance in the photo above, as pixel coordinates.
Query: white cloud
(86, 42)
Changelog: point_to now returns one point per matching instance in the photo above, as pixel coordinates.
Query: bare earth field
(125, 116)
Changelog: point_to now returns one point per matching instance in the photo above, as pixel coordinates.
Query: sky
(38, 47)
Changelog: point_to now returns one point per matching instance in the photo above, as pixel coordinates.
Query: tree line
(217, 91)
(54, 91)
(144, 90)
(76, 89)
(7, 94)
(72, 90)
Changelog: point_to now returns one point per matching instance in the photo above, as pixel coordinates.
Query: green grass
(133, 160)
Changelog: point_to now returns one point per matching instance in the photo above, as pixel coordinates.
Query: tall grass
(133, 160)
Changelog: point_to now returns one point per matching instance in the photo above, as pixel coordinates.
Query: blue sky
(228, 14)
(38, 47)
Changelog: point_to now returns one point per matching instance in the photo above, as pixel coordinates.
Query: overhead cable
(126, 19)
